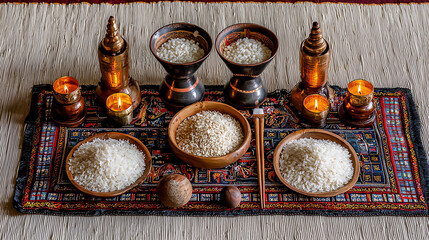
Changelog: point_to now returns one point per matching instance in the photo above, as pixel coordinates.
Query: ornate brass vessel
(314, 59)
(114, 65)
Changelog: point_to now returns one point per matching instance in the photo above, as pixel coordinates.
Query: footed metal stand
(245, 92)
(132, 88)
(178, 93)
(344, 116)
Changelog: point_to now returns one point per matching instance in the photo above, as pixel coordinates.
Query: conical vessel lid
(113, 42)
(315, 44)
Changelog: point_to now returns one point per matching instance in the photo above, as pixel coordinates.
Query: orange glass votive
(360, 92)
(119, 108)
(358, 108)
(66, 90)
(316, 108)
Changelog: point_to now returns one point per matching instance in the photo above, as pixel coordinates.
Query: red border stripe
(219, 1)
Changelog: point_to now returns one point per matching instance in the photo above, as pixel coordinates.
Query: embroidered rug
(393, 179)
(216, 1)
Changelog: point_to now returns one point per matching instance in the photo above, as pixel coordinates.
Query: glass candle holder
(119, 108)
(68, 107)
(358, 106)
(360, 92)
(66, 90)
(316, 109)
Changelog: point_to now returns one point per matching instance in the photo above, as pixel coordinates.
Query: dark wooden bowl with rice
(209, 162)
(119, 136)
(320, 135)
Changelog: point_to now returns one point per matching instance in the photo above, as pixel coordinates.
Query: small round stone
(174, 190)
(230, 196)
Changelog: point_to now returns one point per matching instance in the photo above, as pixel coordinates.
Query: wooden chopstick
(259, 137)
(262, 160)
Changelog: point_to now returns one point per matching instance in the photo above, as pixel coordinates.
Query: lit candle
(360, 92)
(119, 108)
(68, 106)
(358, 108)
(66, 90)
(316, 108)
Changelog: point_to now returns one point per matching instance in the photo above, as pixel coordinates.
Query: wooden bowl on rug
(317, 134)
(208, 162)
(113, 135)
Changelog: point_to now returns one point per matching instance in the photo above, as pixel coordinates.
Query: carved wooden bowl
(113, 135)
(208, 162)
(317, 134)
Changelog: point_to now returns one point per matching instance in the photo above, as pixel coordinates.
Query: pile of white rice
(180, 50)
(209, 134)
(316, 165)
(247, 51)
(107, 165)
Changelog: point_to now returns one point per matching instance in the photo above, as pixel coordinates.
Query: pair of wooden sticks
(258, 119)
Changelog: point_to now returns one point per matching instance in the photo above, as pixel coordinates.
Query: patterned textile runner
(393, 179)
(217, 1)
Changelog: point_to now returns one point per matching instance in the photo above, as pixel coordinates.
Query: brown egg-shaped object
(230, 196)
(174, 190)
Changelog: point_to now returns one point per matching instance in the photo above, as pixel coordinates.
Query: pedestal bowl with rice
(246, 49)
(181, 48)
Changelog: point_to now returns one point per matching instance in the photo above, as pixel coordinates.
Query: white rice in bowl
(180, 50)
(209, 134)
(315, 165)
(247, 51)
(106, 165)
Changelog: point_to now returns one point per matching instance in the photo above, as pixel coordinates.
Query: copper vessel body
(114, 68)
(115, 77)
(314, 77)
(314, 69)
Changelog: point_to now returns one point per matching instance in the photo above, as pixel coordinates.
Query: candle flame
(66, 90)
(315, 104)
(359, 90)
(119, 103)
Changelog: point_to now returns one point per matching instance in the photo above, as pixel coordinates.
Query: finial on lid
(315, 44)
(113, 42)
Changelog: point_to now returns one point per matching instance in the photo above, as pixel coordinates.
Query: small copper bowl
(208, 162)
